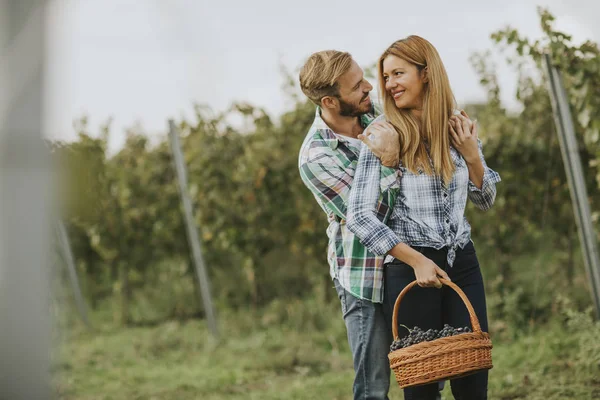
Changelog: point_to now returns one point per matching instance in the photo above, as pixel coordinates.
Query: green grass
(294, 351)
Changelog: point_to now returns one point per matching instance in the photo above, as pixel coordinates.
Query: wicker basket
(444, 358)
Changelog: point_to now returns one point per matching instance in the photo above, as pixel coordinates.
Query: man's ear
(425, 75)
(328, 102)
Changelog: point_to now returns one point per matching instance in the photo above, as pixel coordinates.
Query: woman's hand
(463, 134)
(382, 139)
(427, 273)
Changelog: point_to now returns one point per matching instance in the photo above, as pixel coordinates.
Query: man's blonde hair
(320, 73)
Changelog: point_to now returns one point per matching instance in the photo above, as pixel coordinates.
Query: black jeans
(431, 308)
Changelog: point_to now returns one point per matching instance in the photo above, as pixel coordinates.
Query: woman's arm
(482, 179)
(362, 204)
(483, 191)
(374, 234)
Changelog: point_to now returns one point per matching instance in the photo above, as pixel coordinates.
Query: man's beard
(352, 110)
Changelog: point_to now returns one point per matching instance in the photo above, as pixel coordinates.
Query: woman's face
(403, 82)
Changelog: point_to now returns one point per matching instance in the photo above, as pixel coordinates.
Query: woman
(442, 165)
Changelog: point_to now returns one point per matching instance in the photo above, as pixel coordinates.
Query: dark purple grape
(418, 335)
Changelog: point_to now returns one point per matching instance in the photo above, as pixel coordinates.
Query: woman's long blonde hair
(438, 106)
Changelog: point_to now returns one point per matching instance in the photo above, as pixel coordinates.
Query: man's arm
(328, 182)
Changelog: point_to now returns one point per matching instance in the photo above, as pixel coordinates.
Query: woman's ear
(425, 75)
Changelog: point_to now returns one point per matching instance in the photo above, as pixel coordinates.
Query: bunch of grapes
(417, 335)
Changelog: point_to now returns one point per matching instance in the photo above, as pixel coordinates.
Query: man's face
(354, 93)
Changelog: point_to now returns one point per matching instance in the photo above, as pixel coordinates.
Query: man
(335, 83)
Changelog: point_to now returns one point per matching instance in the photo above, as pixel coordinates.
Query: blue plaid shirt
(426, 213)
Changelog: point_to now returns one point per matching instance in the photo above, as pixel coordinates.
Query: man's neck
(346, 126)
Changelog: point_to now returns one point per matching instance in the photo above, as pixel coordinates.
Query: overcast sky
(144, 61)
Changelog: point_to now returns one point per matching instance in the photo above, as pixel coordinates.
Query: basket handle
(472, 316)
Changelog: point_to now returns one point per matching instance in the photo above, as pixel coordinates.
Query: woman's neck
(417, 113)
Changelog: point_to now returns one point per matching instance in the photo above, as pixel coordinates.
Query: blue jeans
(370, 338)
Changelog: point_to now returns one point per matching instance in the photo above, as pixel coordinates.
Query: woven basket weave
(444, 358)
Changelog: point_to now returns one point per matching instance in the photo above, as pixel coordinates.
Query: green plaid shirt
(327, 163)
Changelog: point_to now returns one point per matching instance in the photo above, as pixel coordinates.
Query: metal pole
(25, 205)
(575, 178)
(69, 260)
(192, 232)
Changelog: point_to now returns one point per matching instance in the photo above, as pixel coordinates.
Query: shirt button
(445, 194)
(447, 221)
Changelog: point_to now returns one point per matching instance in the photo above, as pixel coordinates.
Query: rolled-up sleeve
(362, 206)
(484, 198)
